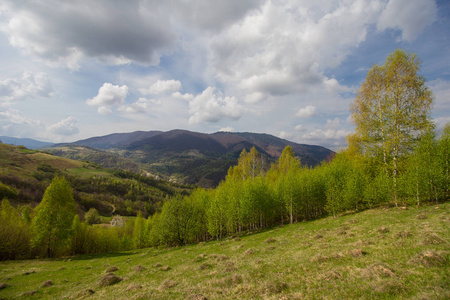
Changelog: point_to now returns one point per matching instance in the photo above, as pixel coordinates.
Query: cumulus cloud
(219, 13)
(66, 31)
(307, 112)
(410, 16)
(12, 123)
(141, 106)
(211, 106)
(283, 48)
(28, 85)
(162, 87)
(109, 95)
(66, 127)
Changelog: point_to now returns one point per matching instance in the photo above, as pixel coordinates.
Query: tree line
(394, 158)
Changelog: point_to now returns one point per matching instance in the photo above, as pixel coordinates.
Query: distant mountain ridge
(198, 158)
(29, 143)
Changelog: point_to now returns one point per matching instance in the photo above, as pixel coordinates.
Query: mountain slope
(348, 257)
(197, 158)
(29, 143)
(25, 174)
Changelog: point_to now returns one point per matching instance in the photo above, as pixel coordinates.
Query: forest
(396, 157)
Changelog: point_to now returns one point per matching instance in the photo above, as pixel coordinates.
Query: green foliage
(7, 192)
(54, 216)
(391, 111)
(92, 216)
(14, 233)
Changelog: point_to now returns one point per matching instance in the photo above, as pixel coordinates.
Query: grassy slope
(348, 257)
(23, 162)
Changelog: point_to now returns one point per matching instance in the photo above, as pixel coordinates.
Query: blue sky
(76, 69)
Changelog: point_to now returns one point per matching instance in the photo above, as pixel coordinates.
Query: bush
(92, 216)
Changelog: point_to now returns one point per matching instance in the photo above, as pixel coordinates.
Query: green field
(385, 253)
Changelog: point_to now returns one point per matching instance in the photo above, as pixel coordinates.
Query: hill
(29, 143)
(192, 157)
(385, 253)
(25, 174)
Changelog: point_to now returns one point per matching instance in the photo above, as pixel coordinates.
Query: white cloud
(142, 105)
(284, 135)
(410, 16)
(307, 112)
(211, 106)
(162, 87)
(64, 32)
(66, 127)
(226, 129)
(13, 124)
(109, 95)
(283, 48)
(29, 85)
(299, 127)
(332, 124)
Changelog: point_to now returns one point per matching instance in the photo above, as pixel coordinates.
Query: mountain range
(184, 156)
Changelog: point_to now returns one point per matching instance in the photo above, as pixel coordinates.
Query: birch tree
(392, 109)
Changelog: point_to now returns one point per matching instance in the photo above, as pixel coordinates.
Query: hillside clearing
(338, 258)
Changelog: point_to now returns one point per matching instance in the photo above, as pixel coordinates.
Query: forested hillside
(25, 174)
(185, 156)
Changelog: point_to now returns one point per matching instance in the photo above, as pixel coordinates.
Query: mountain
(25, 174)
(116, 140)
(198, 158)
(29, 143)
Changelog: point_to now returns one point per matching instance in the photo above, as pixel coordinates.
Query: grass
(389, 253)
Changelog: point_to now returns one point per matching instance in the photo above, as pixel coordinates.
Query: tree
(92, 216)
(54, 215)
(14, 233)
(391, 110)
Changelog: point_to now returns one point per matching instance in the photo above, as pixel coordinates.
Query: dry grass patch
(111, 269)
(134, 287)
(86, 293)
(169, 284)
(205, 266)
(157, 265)
(432, 238)
(270, 240)
(110, 279)
(383, 229)
(139, 268)
(276, 287)
(165, 268)
(3, 286)
(232, 280)
(47, 283)
(429, 258)
(403, 234)
(422, 217)
(222, 257)
(318, 236)
(357, 253)
(378, 270)
(331, 275)
(198, 297)
(249, 251)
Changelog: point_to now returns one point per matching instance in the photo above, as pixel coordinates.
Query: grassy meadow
(385, 253)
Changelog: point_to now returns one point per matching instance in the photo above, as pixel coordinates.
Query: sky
(75, 69)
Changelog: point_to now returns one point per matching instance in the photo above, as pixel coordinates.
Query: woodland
(396, 157)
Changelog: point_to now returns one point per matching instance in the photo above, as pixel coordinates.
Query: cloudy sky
(80, 68)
